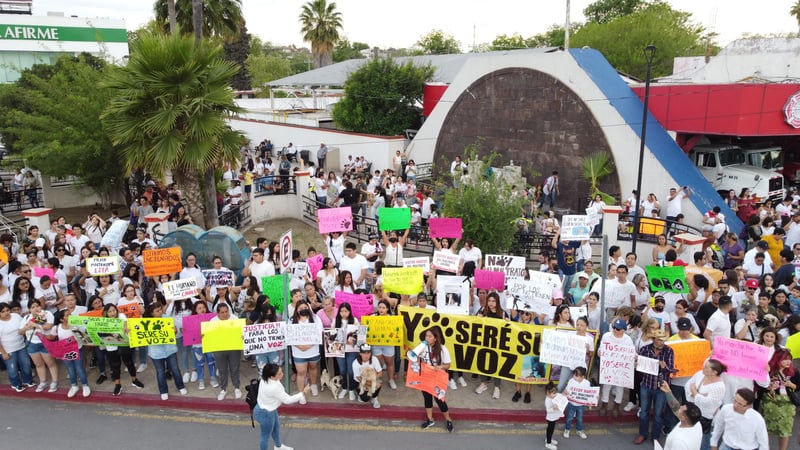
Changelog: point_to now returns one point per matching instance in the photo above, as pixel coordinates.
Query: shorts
(383, 350)
(36, 348)
(313, 359)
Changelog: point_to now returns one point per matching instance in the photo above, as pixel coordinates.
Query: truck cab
(725, 167)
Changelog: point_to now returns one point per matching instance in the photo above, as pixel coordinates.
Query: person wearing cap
(650, 391)
(576, 293)
(366, 359)
(614, 338)
(719, 324)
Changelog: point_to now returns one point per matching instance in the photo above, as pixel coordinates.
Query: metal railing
(11, 201)
(237, 217)
(652, 227)
(275, 185)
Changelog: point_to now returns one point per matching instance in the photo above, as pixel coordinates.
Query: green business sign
(73, 34)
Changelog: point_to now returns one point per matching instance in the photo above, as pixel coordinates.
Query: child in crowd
(553, 414)
(575, 410)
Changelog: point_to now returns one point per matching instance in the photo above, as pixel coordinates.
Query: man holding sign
(650, 392)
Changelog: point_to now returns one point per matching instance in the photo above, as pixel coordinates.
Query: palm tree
(594, 168)
(220, 17)
(172, 16)
(795, 11)
(168, 112)
(320, 24)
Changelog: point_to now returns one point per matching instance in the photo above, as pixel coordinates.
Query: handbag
(794, 396)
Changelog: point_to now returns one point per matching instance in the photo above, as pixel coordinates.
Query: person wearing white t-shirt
(674, 200)
(356, 264)
(78, 240)
(258, 266)
(365, 359)
(719, 324)
(470, 253)
(335, 244)
(619, 292)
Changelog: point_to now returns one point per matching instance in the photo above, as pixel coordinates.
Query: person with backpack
(268, 396)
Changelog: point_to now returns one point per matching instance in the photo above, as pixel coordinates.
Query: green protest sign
(272, 287)
(394, 219)
(102, 330)
(667, 279)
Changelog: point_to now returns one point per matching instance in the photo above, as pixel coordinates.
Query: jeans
(183, 354)
(208, 359)
(647, 398)
(563, 379)
(270, 426)
(162, 365)
(142, 351)
(263, 359)
(76, 371)
(551, 197)
(100, 353)
(346, 370)
(576, 412)
(19, 361)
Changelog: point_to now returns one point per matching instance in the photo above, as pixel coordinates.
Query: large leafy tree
(505, 42)
(380, 97)
(219, 17)
(320, 23)
(604, 11)
(237, 51)
(265, 68)
(169, 110)
(50, 115)
(437, 42)
(345, 50)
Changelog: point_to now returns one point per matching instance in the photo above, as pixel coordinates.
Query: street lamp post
(649, 53)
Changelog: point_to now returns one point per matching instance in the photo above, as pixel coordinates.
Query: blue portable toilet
(225, 242)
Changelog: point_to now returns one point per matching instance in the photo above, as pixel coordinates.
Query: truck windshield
(768, 159)
(731, 156)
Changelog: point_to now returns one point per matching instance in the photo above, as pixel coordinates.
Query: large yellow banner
(493, 347)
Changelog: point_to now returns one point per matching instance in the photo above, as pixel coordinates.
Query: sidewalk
(400, 404)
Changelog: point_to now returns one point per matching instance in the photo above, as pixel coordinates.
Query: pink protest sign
(744, 359)
(39, 272)
(361, 304)
(64, 349)
(444, 227)
(490, 279)
(335, 219)
(315, 265)
(191, 328)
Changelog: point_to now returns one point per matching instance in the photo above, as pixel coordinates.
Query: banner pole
(286, 366)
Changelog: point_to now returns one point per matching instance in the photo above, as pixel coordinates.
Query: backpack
(252, 397)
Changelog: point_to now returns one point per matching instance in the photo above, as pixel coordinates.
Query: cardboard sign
(513, 266)
(445, 227)
(490, 279)
(667, 279)
(403, 280)
(63, 349)
(531, 296)
(424, 262)
(544, 277)
(333, 339)
(562, 349)
(793, 344)
(180, 289)
(315, 265)
(586, 396)
(303, 334)
(690, 355)
(617, 363)
(384, 330)
(452, 294)
(575, 228)
(560, 401)
(427, 379)
(647, 365)
(131, 310)
(263, 338)
(361, 304)
(394, 219)
(191, 328)
(332, 220)
(578, 311)
(102, 330)
(151, 331)
(102, 265)
(221, 335)
(444, 260)
(40, 272)
(216, 278)
(299, 270)
(162, 261)
(744, 359)
(272, 287)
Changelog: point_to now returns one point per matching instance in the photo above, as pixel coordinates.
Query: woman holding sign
(306, 357)
(779, 411)
(492, 310)
(117, 355)
(41, 321)
(75, 368)
(349, 324)
(228, 361)
(436, 355)
(164, 357)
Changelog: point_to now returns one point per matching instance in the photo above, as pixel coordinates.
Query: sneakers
(303, 400)
(342, 394)
(566, 434)
(375, 403)
(481, 388)
(551, 446)
(186, 377)
(528, 400)
(101, 378)
(30, 384)
(516, 397)
(352, 396)
(184, 391)
(582, 435)
(553, 441)
(462, 381)
(117, 390)
(214, 383)
(221, 395)
(164, 397)
(284, 447)
(18, 388)
(629, 407)
(87, 391)
(72, 391)
(449, 426)
(427, 424)
(496, 393)
(53, 386)
(193, 377)
(237, 393)
(314, 390)
(41, 387)
(201, 385)
(392, 384)
(141, 368)
(137, 384)
(452, 384)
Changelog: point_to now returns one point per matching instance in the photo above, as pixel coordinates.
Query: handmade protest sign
(40, 272)
(131, 310)
(63, 349)
(333, 340)
(333, 220)
(578, 311)
(445, 261)
(562, 349)
(162, 261)
(102, 330)
(560, 401)
(575, 228)
(744, 359)
(489, 279)
(531, 296)
(102, 265)
(394, 219)
(221, 335)
(617, 363)
(191, 328)
(544, 277)
(689, 355)
(647, 365)
(180, 289)
(586, 396)
(299, 270)
(793, 344)
(151, 331)
(384, 330)
(272, 287)
(491, 347)
(424, 262)
(427, 379)
(444, 227)
(263, 338)
(512, 266)
(360, 304)
(216, 278)
(355, 336)
(402, 280)
(315, 265)
(452, 294)
(667, 279)
(303, 333)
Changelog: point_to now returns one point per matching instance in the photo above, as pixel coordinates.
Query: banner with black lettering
(493, 347)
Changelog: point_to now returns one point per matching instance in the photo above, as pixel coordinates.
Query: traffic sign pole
(285, 247)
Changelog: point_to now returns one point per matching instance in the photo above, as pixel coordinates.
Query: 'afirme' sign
(76, 34)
